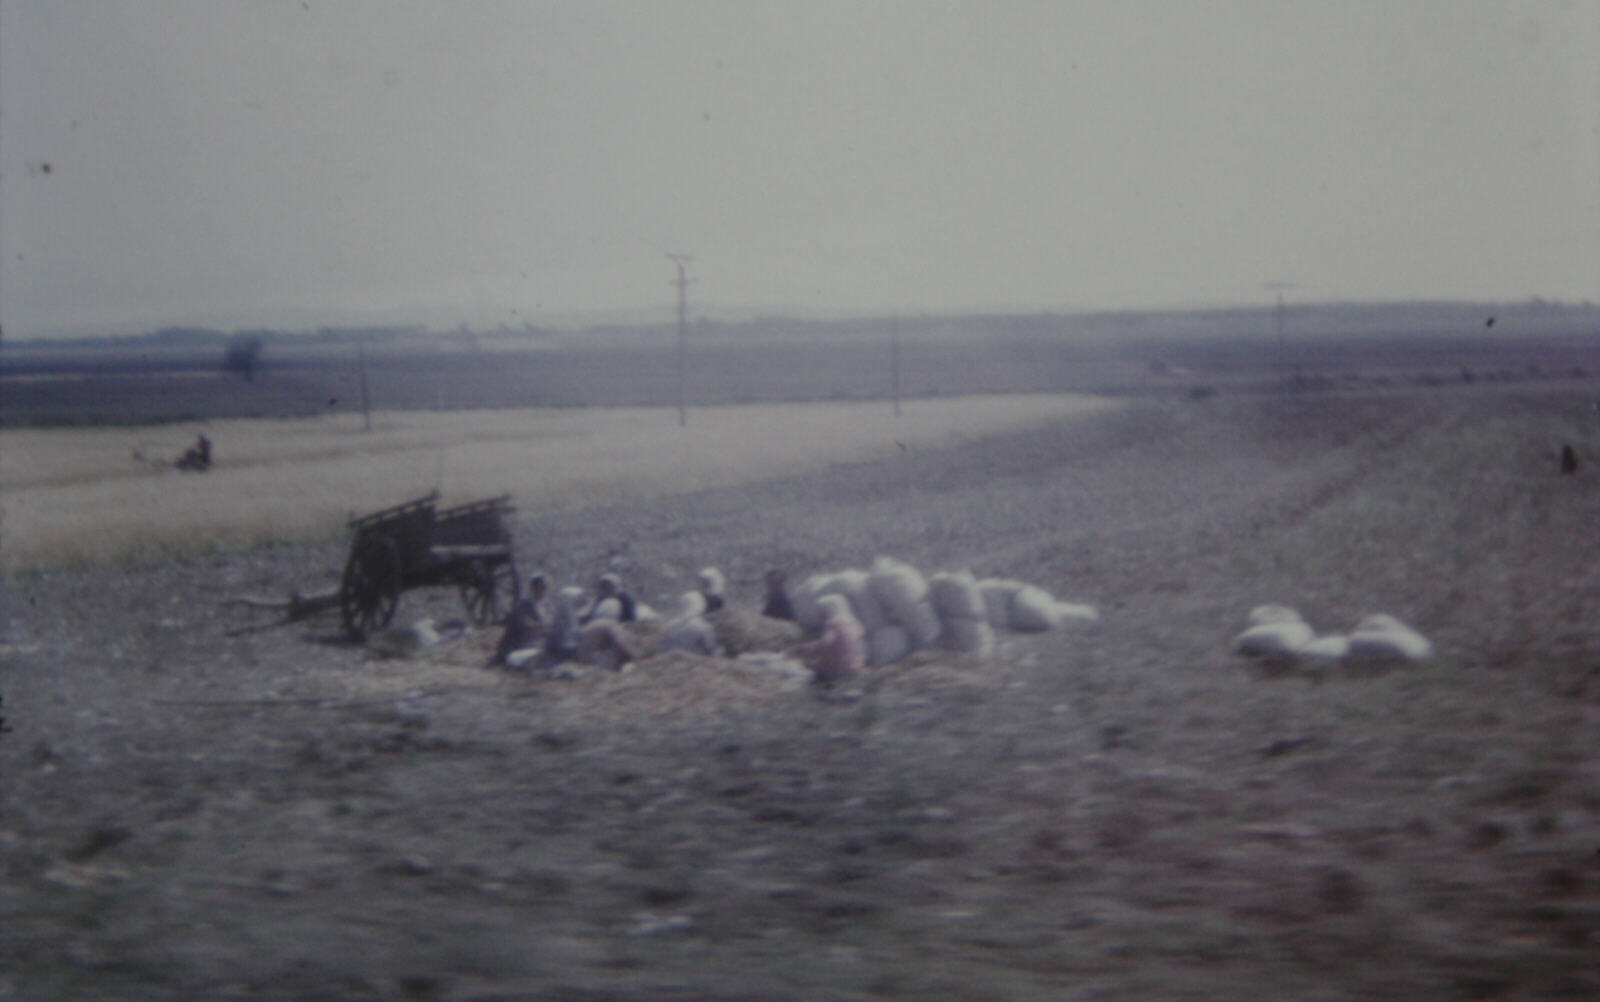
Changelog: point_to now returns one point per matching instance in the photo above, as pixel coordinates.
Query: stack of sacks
(1013, 605)
(962, 613)
(902, 594)
(1279, 631)
(852, 584)
(886, 642)
(901, 611)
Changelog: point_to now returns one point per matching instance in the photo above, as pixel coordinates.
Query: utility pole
(366, 399)
(683, 297)
(1279, 287)
(894, 361)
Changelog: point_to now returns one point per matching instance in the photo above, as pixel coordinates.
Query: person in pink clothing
(841, 651)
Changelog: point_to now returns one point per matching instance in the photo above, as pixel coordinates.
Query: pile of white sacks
(1279, 631)
(901, 611)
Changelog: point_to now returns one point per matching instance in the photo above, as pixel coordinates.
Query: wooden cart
(415, 545)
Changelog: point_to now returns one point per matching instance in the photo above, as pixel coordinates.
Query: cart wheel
(370, 589)
(489, 590)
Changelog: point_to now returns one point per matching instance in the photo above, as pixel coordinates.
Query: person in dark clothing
(778, 605)
(196, 458)
(1569, 459)
(525, 624)
(611, 601)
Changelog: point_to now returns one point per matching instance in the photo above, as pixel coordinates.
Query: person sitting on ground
(841, 651)
(197, 457)
(561, 633)
(611, 601)
(522, 639)
(711, 585)
(778, 605)
(689, 630)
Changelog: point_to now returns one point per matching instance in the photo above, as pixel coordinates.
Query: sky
(241, 163)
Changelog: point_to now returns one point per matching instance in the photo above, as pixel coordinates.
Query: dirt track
(1126, 811)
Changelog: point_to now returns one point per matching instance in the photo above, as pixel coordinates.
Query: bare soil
(194, 810)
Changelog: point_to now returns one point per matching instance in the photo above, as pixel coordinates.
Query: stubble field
(197, 808)
(81, 496)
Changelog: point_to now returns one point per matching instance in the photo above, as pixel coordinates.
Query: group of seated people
(543, 630)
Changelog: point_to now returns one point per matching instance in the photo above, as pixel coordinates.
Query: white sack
(1034, 609)
(898, 587)
(804, 598)
(887, 645)
(924, 627)
(1270, 639)
(1274, 613)
(956, 595)
(1386, 637)
(852, 585)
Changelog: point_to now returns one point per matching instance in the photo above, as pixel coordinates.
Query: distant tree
(243, 356)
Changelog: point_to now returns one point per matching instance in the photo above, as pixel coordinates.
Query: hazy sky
(239, 162)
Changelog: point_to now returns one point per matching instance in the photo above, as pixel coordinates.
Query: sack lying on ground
(1273, 613)
(1034, 609)
(1284, 637)
(1383, 636)
(956, 596)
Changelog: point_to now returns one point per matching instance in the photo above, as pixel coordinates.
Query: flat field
(201, 805)
(84, 495)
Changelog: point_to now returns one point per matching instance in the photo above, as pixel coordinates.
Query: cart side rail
(478, 523)
(399, 512)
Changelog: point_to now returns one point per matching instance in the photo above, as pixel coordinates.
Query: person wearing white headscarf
(711, 585)
(841, 651)
(611, 601)
(689, 630)
(561, 636)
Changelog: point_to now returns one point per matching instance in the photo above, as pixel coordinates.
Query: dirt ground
(1125, 810)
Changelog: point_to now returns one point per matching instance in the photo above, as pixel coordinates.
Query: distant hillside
(1531, 316)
